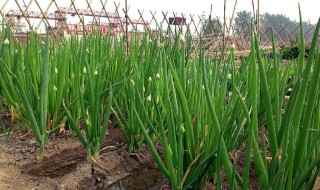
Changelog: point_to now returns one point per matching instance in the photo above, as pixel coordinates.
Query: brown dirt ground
(65, 166)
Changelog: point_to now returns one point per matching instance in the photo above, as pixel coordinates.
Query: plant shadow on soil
(65, 165)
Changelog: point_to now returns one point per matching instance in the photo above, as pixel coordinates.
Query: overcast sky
(310, 8)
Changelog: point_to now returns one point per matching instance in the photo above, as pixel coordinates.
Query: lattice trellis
(66, 17)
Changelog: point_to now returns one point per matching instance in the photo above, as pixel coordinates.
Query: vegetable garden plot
(193, 113)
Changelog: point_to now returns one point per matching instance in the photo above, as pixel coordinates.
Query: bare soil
(65, 165)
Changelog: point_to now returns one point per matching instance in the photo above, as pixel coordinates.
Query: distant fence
(64, 18)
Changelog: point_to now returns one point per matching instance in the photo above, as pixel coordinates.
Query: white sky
(310, 8)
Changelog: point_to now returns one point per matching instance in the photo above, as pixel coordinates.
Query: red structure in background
(112, 27)
(104, 27)
(60, 18)
(112, 24)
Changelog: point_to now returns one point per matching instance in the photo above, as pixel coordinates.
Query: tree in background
(211, 27)
(284, 28)
(278, 23)
(242, 24)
